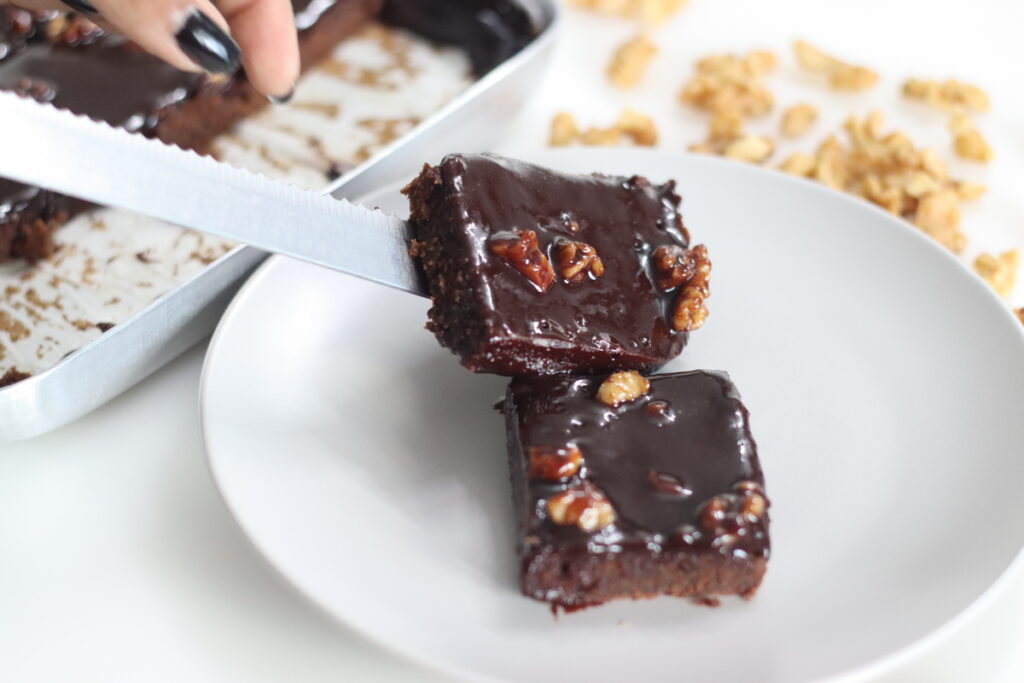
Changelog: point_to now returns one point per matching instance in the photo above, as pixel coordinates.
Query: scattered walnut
(729, 83)
(842, 76)
(586, 507)
(968, 142)
(950, 95)
(887, 169)
(688, 310)
(968, 192)
(800, 164)
(1000, 271)
(601, 137)
(639, 128)
(563, 130)
(522, 251)
(652, 11)
(938, 214)
(631, 125)
(577, 261)
(623, 387)
(554, 463)
(726, 126)
(630, 61)
(1020, 315)
(752, 148)
(798, 119)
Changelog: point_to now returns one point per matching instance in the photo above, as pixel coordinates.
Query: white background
(118, 560)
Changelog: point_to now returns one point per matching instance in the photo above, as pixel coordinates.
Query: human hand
(194, 35)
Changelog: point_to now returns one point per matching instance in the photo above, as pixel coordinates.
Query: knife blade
(77, 156)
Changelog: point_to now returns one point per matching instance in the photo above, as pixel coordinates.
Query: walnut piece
(630, 61)
(675, 266)
(564, 130)
(651, 11)
(623, 387)
(950, 95)
(798, 119)
(887, 169)
(800, 164)
(585, 507)
(522, 251)
(967, 141)
(730, 515)
(577, 261)
(754, 149)
(733, 84)
(688, 310)
(1000, 270)
(842, 76)
(554, 463)
(631, 126)
(1020, 315)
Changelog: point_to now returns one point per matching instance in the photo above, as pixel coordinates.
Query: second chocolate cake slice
(537, 272)
(628, 487)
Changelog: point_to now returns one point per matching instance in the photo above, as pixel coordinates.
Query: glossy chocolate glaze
(659, 460)
(614, 321)
(490, 31)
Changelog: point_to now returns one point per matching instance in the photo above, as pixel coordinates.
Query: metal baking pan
(135, 348)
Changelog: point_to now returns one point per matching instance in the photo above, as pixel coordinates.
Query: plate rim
(876, 667)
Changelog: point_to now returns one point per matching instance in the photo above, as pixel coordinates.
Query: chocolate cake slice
(70, 62)
(532, 271)
(628, 487)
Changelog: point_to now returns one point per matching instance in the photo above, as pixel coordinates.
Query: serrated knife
(53, 148)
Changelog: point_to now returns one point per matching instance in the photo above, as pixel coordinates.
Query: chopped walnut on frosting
(623, 387)
(554, 463)
(585, 507)
(577, 261)
(689, 311)
(841, 75)
(651, 11)
(630, 61)
(1000, 270)
(522, 251)
(631, 126)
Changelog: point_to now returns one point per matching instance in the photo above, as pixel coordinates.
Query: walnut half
(623, 387)
(577, 260)
(522, 251)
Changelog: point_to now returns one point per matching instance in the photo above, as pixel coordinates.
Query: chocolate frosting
(690, 432)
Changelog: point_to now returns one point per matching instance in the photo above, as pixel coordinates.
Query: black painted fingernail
(208, 45)
(80, 6)
(282, 100)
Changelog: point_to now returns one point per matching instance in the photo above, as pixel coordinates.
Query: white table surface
(118, 560)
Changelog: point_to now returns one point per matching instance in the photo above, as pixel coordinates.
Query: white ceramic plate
(885, 381)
